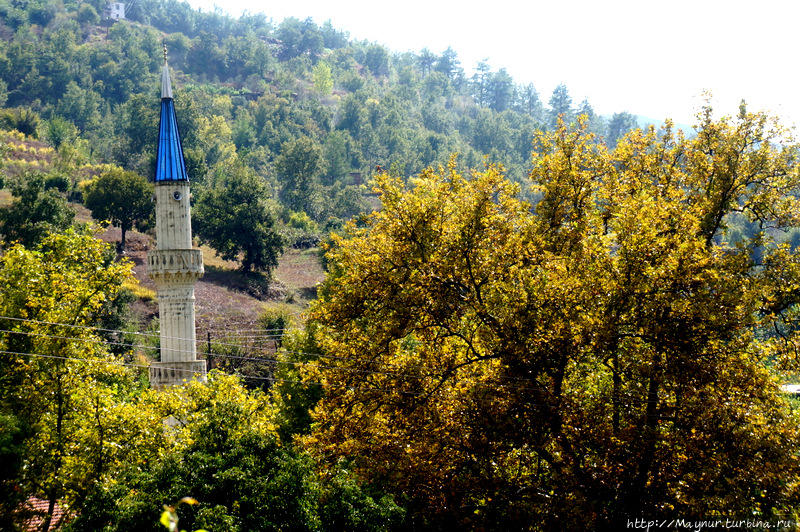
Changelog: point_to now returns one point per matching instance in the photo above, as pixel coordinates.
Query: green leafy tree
(34, 211)
(480, 82)
(54, 371)
(586, 109)
(299, 38)
(601, 354)
(337, 148)
(243, 134)
(227, 454)
(3, 93)
(299, 166)
(529, 102)
(57, 131)
(323, 80)
(426, 60)
(449, 65)
(376, 60)
(12, 438)
(501, 91)
(80, 106)
(87, 14)
(136, 121)
(22, 119)
(205, 55)
(233, 217)
(121, 197)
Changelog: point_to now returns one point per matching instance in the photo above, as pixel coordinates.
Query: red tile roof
(39, 509)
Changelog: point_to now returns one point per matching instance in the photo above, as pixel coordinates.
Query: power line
(153, 334)
(261, 378)
(120, 331)
(210, 354)
(240, 330)
(142, 346)
(253, 336)
(197, 341)
(88, 360)
(143, 366)
(156, 335)
(224, 356)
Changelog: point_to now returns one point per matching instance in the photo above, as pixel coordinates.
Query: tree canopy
(34, 212)
(226, 453)
(257, 94)
(562, 342)
(121, 197)
(604, 353)
(57, 380)
(233, 216)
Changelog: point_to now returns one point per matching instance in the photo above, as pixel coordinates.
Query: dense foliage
(120, 197)
(311, 112)
(223, 449)
(234, 217)
(80, 431)
(56, 382)
(602, 354)
(34, 212)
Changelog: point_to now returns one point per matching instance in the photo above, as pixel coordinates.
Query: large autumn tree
(602, 354)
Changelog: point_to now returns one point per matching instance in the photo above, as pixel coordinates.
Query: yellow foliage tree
(603, 354)
(56, 374)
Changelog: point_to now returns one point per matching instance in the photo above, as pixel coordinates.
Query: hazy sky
(651, 58)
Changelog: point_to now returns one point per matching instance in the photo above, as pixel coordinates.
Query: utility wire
(225, 356)
(143, 366)
(270, 379)
(119, 331)
(216, 355)
(153, 334)
(219, 355)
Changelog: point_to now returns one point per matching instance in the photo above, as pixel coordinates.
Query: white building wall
(173, 216)
(176, 312)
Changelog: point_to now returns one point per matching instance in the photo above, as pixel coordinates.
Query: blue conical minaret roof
(170, 165)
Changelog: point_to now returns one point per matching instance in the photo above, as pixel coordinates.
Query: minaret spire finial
(166, 84)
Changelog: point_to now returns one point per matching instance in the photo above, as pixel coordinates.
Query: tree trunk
(617, 383)
(122, 240)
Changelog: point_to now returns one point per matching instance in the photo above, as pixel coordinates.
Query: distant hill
(247, 90)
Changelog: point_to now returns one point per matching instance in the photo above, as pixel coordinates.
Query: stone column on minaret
(174, 265)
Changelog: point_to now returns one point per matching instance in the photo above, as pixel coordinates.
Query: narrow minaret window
(174, 265)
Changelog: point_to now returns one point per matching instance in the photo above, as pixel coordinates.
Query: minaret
(174, 265)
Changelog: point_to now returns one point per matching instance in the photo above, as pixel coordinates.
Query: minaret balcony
(164, 265)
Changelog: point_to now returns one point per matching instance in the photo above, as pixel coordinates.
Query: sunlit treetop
(607, 351)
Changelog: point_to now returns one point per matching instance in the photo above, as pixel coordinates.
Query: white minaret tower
(174, 265)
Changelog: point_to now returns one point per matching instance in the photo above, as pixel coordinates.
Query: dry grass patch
(141, 293)
(212, 260)
(300, 269)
